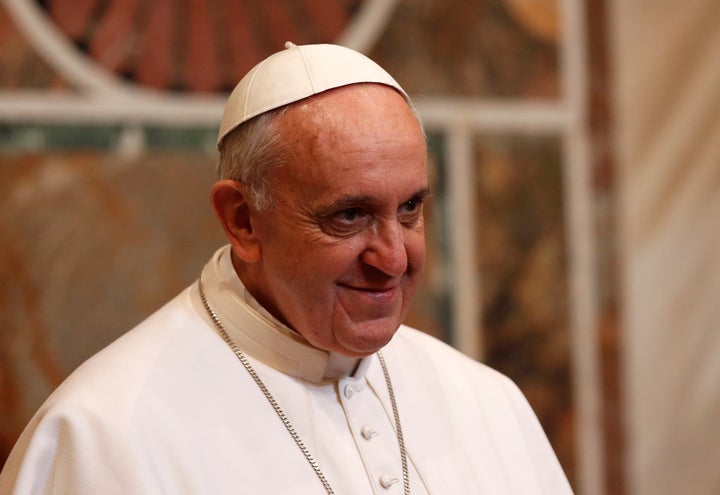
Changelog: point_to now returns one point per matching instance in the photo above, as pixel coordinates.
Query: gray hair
(249, 152)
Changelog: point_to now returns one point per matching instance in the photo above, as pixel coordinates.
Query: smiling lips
(369, 303)
(378, 294)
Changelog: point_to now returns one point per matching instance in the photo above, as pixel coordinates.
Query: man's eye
(349, 215)
(410, 211)
(412, 205)
(346, 222)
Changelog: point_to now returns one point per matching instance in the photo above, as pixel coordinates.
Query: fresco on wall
(200, 46)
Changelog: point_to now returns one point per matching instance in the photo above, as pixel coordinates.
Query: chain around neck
(242, 357)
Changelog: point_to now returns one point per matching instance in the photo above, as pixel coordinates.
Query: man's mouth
(376, 292)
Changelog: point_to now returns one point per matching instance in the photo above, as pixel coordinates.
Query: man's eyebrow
(348, 201)
(421, 193)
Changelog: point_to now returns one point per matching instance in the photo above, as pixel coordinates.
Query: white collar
(262, 336)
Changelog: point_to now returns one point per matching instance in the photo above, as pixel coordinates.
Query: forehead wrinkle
(321, 119)
(347, 201)
(326, 132)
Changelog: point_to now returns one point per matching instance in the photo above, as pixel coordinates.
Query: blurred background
(573, 233)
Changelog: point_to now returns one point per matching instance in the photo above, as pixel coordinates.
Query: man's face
(342, 250)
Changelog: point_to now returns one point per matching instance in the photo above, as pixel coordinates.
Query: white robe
(168, 408)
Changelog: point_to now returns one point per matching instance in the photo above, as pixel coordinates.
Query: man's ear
(235, 215)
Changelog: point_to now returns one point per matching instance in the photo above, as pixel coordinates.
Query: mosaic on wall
(94, 240)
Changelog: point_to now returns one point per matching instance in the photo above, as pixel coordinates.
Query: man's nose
(386, 249)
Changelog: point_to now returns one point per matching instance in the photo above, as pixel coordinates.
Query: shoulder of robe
(108, 383)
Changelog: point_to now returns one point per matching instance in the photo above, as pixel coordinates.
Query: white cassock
(169, 409)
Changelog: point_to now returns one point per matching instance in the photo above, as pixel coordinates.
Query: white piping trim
(465, 287)
(57, 50)
(580, 233)
(488, 115)
(23, 106)
(367, 25)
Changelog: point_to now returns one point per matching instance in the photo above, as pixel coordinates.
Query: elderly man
(285, 369)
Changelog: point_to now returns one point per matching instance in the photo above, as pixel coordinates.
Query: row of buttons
(368, 432)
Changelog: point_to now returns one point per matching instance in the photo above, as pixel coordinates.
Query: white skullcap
(296, 73)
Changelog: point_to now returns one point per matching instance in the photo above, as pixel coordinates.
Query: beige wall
(667, 112)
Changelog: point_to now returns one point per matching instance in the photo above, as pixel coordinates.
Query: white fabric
(168, 408)
(294, 74)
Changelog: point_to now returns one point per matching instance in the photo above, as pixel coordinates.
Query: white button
(368, 432)
(386, 481)
(353, 388)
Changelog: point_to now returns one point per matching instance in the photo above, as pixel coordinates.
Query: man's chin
(367, 338)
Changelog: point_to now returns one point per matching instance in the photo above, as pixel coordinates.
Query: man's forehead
(352, 108)
(296, 73)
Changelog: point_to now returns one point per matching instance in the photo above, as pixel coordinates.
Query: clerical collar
(260, 335)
